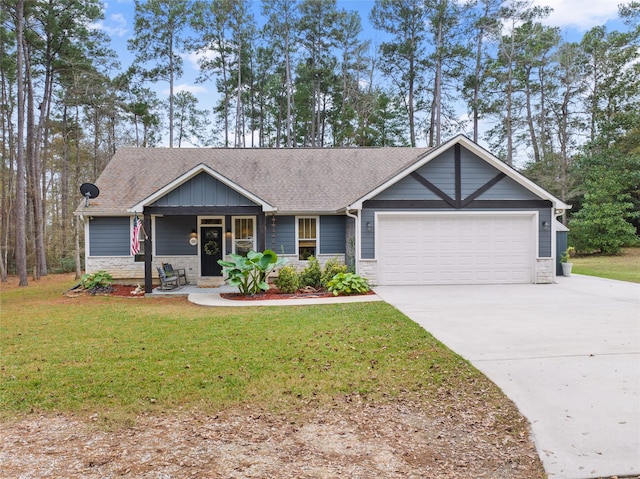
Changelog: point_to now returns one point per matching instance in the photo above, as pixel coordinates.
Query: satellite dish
(89, 190)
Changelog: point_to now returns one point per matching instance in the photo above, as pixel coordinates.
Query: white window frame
(317, 238)
(233, 232)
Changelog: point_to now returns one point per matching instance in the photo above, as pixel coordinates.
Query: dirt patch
(395, 440)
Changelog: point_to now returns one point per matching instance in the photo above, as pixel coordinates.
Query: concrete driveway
(568, 355)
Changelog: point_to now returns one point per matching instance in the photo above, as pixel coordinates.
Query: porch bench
(167, 282)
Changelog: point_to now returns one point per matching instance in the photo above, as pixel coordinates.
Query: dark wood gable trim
(475, 204)
(457, 161)
(482, 189)
(458, 202)
(450, 201)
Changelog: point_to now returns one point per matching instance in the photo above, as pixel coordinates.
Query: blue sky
(574, 17)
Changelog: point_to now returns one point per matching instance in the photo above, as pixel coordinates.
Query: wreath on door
(211, 248)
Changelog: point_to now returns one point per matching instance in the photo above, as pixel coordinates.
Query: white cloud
(195, 89)
(579, 14)
(115, 25)
(194, 58)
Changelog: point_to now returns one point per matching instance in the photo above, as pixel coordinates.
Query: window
(307, 238)
(243, 235)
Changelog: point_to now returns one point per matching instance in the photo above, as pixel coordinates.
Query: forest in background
(566, 114)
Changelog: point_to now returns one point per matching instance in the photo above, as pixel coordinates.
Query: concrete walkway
(567, 354)
(213, 298)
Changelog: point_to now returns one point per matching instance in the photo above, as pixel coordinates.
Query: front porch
(187, 289)
(195, 243)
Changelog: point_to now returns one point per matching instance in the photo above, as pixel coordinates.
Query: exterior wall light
(545, 226)
(193, 238)
(369, 227)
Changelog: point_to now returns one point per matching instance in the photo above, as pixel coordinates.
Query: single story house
(453, 214)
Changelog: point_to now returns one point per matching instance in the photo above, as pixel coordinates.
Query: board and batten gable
(203, 190)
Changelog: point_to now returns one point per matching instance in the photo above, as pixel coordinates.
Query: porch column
(148, 270)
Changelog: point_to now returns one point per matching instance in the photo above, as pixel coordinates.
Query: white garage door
(455, 248)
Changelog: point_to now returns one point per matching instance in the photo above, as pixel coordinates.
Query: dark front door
(210, 250)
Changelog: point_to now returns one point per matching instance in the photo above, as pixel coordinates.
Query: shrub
(312, 274)
(568, 253)
(249, 273)
(331, 268)
(288, 280)
(348, 283)
(66, 264)
(97, 282)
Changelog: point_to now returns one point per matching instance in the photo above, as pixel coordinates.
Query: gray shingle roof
(299, 179)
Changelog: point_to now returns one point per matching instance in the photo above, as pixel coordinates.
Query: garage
(455, 248)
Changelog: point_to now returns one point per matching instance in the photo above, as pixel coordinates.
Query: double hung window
(243, 235)
(307, 237)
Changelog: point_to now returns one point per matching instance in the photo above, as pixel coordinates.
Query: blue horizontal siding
(284, 239)
(545, 237)
(332, 235)
(172, 235)
(110, 236)
(367, 247)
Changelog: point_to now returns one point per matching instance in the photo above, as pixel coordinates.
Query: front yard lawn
(623, 267)
(123, 365)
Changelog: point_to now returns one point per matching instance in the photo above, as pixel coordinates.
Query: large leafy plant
(348, 283)
(99, 282)
(249, 273)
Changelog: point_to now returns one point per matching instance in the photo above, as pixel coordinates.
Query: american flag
(135, 238)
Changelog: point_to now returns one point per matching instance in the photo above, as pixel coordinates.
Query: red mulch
(275, 293)
(125, 290)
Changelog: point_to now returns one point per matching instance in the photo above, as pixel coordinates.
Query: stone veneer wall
(124, 269)
(368, 268)
(545, 271)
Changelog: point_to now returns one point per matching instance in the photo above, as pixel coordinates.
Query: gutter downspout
(356, 245)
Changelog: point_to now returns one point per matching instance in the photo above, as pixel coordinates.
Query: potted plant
(565, 259)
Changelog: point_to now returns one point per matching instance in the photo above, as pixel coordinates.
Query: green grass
(136, 355)
(624, 267)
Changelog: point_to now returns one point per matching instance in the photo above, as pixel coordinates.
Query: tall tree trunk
(77, 230)
(171, 80)
(530, 116)
(411, 106)
(21, 178)
(289, 86)
(239, 143)
(438, 83)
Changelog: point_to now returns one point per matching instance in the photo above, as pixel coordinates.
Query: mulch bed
(275, 294)
(121, 290)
